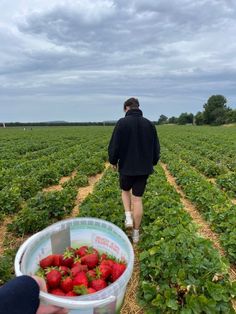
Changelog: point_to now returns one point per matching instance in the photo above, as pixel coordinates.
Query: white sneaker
(135, 236)
(128, 222)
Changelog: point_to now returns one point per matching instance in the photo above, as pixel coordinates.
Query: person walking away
(133, 149)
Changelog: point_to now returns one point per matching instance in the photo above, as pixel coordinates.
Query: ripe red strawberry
(64, 270)
(108, 262)
(57, 292)
(92, 250)
(66, 284)
(91, 274)
(76, 261)
(117, 271)
(104, 271)
(98, 284)
(57, 260)
(80, 279)
(81, 251)
(103, 256)
(91, 290)
(71, 294)
(78, 268)
(68, 258)
(46, 262)
(91, 260)
(53, 278)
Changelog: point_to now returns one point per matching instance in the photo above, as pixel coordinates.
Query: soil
(3, 230)
(58, 187)
(204, 228)
(130, 305)
(83, 192)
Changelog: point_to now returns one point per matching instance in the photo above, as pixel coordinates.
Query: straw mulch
(204, 228)
(131, 305)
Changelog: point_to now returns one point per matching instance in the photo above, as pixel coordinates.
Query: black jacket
(134, 144)
(19, 296)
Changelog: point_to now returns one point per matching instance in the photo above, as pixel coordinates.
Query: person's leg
(125, 185)
(126, 199)
(137, 191)
(137, 211)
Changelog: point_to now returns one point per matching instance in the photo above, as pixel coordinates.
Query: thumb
(51, 309)
(41, 283)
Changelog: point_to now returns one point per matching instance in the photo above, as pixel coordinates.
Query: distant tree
(185, 118)
(215, 110)
(199, 118)
(163, 119)
(173, 120)
(230, 116)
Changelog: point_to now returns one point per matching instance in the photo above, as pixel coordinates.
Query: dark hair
(133, 103)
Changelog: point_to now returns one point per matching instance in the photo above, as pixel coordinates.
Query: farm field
(183, 264)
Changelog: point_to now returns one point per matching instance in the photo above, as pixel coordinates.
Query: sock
(127, 214)
(136, 231)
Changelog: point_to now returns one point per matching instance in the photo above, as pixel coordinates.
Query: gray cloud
(168, 52)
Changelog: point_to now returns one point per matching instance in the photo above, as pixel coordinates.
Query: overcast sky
(79, 60)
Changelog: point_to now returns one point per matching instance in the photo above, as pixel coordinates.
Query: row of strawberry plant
(37, 213)
(212, 153)
(45, 146)
(25, 185)
(86, 153)
(224, 179)
(213, 203)
(105, 202)
(177, 266)
(60, 163)
(206, 166)
(42, 210)
(47, 207)
(214, 144)
(227, 182)
(180, 271)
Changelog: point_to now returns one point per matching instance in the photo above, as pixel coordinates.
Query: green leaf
(172, 303)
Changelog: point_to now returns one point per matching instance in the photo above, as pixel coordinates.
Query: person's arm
(113, 148)
(19, 295)
(156, 147)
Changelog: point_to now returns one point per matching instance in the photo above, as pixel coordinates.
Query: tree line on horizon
(215, 112)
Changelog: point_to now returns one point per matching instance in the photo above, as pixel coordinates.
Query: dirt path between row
(3, 230)
(83, 192)
(130, 305)
(58, 187)
(204, 228)
(8, 219)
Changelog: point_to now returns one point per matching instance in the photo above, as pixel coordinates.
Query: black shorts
(136, 183)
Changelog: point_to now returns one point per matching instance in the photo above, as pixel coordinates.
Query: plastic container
(102, 235)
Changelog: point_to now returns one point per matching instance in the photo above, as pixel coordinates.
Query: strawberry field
(180, 270)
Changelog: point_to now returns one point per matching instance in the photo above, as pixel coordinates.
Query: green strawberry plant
(180, 271)
(214, 204)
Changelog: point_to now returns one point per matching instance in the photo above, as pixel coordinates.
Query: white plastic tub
(100, 234)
